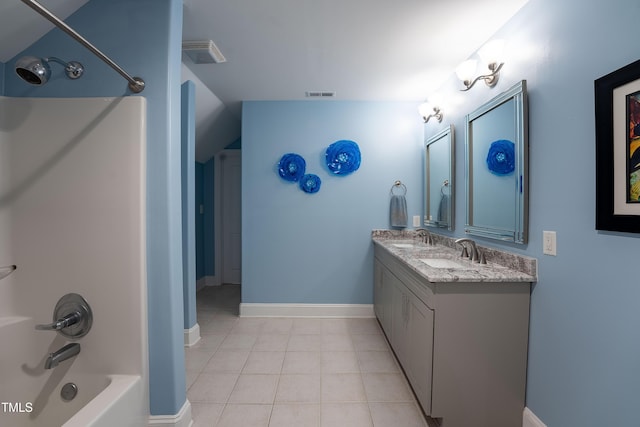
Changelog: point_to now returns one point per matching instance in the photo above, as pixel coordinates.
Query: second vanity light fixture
(491, 54)
(427, 111)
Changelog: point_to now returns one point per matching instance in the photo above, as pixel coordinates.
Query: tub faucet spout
(66, 352)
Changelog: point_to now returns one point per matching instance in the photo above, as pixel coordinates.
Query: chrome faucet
(425, 234)
(475, 254)
(66, 352)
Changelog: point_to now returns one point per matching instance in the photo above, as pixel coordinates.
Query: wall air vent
(320, 94)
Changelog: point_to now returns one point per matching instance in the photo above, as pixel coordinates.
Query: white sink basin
(403, 245)
(443, 263)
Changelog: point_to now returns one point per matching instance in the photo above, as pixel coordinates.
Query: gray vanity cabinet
(408, 323)
(462, 345)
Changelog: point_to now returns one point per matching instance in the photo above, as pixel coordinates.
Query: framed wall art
(617, 119)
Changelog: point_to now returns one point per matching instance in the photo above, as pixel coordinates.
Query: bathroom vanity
(458, 328)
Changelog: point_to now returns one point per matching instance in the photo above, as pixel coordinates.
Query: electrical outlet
(549, 243)
(416, 221)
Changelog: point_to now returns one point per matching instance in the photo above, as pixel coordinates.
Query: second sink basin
(443, 263)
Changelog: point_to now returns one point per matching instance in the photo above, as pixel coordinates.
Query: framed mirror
(439, 173)
(496, 167)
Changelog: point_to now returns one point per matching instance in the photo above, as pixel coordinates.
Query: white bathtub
(30, 395)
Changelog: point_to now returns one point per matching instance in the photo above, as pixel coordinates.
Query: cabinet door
(378, 302)
(383, 296)
(420, 349)
(399, 337)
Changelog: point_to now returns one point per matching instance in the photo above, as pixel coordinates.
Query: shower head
(36, 71)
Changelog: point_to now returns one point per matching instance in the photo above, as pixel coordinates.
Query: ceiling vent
(320, 94)
(203, 52)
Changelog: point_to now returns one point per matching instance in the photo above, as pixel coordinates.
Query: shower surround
(72, 219)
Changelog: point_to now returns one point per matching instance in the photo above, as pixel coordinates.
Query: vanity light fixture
(427, 111)
(491, 54)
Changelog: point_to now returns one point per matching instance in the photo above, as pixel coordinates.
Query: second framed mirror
(439, 173)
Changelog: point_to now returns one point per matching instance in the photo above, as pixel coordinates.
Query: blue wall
(144, 37)
(188, 122)
(584, 350)
(316, 248)
(199, 201)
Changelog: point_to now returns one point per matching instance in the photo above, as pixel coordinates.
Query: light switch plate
(549, 243)
(416, 221)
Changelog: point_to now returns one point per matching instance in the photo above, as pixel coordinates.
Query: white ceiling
(280, 49)
(361, 49)
(20, 26)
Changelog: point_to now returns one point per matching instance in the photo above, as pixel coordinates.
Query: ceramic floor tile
(196, 359)
(301, 362)
(218, 326)
(298, 388)
(235, 415)
(227, 361)
(291, 415)
(335, 326)
(206, 414)
(210, 341)
(254, 388)
(397, 414)
(342, 388)
(386, 388)
(238, 342)
(370, 342)
(248, 325)
(336, 342)
(213, 388)
(339, 362)
(347, 415)
(264, 362)
(377, 361)
(364, 326)
(304, 326)
(283, 372)
(307, 342)
(271, 342)
(277, 326)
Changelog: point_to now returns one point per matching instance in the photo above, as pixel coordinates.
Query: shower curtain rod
(136, 84)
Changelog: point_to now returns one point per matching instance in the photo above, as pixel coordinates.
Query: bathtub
(30, 396)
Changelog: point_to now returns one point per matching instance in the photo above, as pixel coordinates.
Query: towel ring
(444, 184)
(399, 185)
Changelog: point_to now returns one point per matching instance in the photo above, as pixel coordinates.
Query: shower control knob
(72, 317)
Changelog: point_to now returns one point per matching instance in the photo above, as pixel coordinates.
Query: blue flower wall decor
(291, 167)
(343, 157)
(501, 157)
(310, 183)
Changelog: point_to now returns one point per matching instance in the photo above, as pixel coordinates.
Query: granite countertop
(501, 266)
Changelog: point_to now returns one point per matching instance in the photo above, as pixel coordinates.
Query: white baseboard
(529, 419)
(192, 335)
(306, 310)
(181, 419)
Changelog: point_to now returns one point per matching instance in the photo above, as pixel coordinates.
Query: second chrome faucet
(474, 254)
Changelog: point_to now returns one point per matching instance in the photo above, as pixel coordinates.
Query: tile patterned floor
(281, 372)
